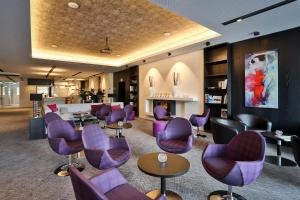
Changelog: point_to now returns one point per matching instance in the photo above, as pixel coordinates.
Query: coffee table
(278, 159)
(176, 165)
(119, 128)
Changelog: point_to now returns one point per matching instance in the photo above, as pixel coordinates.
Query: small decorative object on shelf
(162, 157)
(278, 132)
(224, 113)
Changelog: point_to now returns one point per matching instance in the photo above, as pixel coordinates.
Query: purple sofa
(177, 136)
(115, 116)
(199, 121)
(103, 112)
(64, 140)
(107, 185)
(104, 152)
(237, 163)
(130, 113)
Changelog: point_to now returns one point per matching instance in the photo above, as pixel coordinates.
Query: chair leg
(199, 134)
(225, 195)
(63, 170)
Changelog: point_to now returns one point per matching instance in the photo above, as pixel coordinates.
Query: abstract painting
(261, 79)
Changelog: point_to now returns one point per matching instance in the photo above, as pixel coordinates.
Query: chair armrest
(250, 170)
(108, 180)
(160, 136)
(58, 145)
(214, 150)
(190, 140)
(118, 143)
(94, 156)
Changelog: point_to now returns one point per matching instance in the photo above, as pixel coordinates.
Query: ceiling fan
(106, 49)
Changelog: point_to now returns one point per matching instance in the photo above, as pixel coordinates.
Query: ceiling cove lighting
(40, 29)
(239, 19)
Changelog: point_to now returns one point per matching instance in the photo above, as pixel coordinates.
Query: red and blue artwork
(261, 79)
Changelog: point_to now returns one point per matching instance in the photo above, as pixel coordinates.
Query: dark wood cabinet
(126, 87)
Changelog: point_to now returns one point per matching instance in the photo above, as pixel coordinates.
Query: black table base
(154, 194)
(280, 161)
(222, 194)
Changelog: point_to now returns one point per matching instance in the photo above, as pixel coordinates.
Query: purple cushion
(219, 167)
(126, 192)
(118, 154)
(173, 144)
(75, 145)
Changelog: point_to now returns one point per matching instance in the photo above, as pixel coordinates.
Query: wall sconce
(150, 81)
(175, 78)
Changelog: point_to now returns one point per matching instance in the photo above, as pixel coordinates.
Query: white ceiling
(211, 13)
(15, 30)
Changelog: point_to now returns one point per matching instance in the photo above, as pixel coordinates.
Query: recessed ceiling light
(239, 20)
(73, 5)
(167, 34)
(54, 46)
(118, 55)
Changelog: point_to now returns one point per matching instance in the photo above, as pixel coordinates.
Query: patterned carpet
(27, 167)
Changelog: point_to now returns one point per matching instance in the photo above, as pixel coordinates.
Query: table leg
(163, 186)
(120, 133)
(279, 152)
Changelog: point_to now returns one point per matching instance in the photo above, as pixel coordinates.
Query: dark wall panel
(287, 116)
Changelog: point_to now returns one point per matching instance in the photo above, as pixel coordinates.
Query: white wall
(106, 84)
(191, 81)
(25, 91)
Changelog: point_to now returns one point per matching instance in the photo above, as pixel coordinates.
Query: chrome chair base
(63, 170)
(223, 195)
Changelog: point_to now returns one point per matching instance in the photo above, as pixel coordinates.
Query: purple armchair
(103, 112)
(199, 121)
(64, 140)
(104, 152)
(107, 185)
(130, 113)
(115, 116)
(177, 136)
(237, 163)
(161, 114)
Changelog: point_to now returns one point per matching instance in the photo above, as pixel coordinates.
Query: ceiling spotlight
(167, 34)
(144, 61)
(73, 5)
(169, 53)
(239, 20)
(54, 46)
(256, 33)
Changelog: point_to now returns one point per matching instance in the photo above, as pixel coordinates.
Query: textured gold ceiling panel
(134, 27)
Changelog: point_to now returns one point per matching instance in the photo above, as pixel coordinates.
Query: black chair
(296, 148)
(224, 129)
(254, 122)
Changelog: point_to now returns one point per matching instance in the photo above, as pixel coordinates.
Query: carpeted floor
(26, 167)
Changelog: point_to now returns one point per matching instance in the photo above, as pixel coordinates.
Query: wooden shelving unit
(217, 76)
(134, 90)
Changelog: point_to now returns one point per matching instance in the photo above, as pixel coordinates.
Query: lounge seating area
(149, 100)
